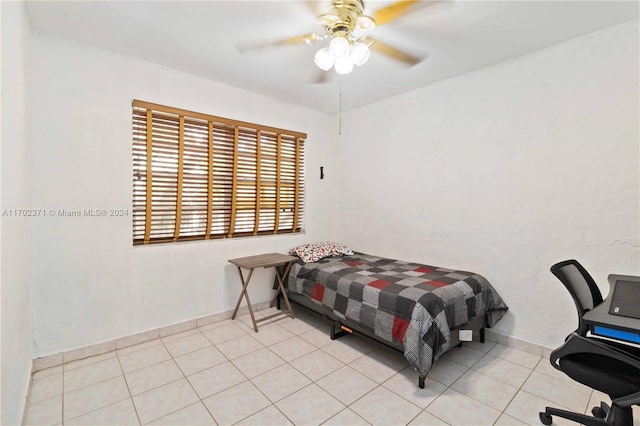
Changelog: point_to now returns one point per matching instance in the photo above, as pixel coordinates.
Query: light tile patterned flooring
(292, 373)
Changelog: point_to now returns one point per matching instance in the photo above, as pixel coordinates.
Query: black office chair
(600, 364)
(583, 289)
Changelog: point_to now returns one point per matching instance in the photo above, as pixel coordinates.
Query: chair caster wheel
(598, 412)
(545, 419)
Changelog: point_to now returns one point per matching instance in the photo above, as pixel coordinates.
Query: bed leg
(336, 331)
(482, 335)
(278, 300)
(421, 381)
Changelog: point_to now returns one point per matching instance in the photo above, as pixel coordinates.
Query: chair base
(615, 416)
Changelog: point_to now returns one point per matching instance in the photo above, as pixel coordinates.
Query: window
(196, 176)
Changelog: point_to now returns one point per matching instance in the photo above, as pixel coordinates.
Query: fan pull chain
(340, 109)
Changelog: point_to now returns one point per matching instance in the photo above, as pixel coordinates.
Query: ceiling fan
(350, 32)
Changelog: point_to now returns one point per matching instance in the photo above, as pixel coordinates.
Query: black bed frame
(341, 327)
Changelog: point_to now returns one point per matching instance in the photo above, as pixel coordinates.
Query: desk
(263, 261)
(602, 323)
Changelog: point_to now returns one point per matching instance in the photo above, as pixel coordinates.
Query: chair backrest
(583, 289)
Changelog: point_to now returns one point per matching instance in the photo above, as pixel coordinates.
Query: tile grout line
(96, 383)
(168, 383)
(322, 348)
(367, 393)
(172, 357)
(62, 399)
(241, 372)
(502, 412)
(184, 376)
(447, 386)
(126, 382)
(297, 370)
(341, 411)
(187, 379)
(467, 370)
(312, 382)
(542, 397)
(378, 384)
(117, 356)
(273, 404)
(424, 410)
(157, 387)
(520, 390)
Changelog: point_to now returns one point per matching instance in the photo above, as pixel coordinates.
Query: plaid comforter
(403, 303)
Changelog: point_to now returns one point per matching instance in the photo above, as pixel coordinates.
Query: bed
(411, 307)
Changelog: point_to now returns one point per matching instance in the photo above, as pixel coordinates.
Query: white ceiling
(200, 37)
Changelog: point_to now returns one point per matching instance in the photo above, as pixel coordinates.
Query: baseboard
(27, 396)
(61, 358)
(520, 344)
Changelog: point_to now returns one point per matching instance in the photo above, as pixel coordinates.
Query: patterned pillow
(337, 249)
(310, 252)
(314, 252)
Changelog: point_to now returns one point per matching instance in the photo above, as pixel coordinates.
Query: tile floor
(291, 372)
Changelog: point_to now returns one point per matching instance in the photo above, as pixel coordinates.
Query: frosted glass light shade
(344, 65)
(339, 47)
(360, 54)
(323, 59)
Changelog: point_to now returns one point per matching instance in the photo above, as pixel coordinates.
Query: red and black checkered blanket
(403, 303)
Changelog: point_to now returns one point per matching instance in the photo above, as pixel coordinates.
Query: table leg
(281, 288)
(275, 297)
(244, 293)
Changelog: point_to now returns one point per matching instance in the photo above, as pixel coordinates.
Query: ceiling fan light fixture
(360, 54)
(365, 23)
(328, 19)
(339, 47)
(344, 65)
(323, 59)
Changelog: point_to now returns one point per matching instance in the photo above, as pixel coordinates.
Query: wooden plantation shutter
(197, 176)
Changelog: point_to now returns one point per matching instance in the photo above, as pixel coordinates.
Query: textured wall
(90, 283)
(505, 171)
(16, 231)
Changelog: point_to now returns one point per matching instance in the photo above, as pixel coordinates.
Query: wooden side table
(264, 261)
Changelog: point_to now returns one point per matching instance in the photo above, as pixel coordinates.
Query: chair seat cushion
(602, 373)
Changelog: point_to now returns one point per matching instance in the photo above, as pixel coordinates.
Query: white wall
(90, 283)
(505, 171)
(15, 247)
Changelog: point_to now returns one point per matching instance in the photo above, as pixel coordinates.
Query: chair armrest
(627, 401)
(578, 344)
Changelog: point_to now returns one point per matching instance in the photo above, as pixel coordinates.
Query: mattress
(408, 305)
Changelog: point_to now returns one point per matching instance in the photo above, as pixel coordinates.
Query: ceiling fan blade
(392, 52)
(306, 38)
(393, 11)
(315, 6)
